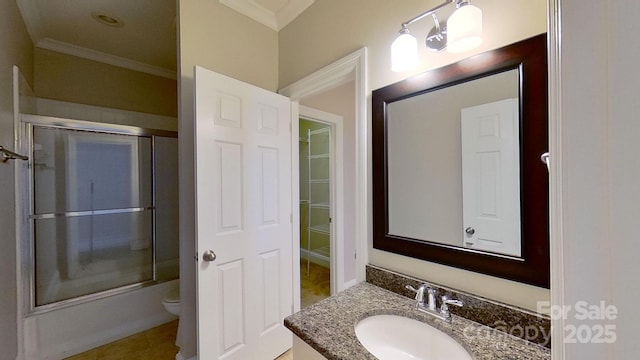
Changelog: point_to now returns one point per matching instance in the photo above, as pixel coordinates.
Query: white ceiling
(146, 42)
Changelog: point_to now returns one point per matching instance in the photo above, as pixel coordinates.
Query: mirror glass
(456, 172)
(460, 146)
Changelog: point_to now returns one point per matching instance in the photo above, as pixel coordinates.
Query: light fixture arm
(427, 13)
(436, 21)
(457, 36)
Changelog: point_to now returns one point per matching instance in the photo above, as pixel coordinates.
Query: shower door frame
(27, 123)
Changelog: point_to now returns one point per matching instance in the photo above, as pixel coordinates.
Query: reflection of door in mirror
(426, 142)
(490, 177)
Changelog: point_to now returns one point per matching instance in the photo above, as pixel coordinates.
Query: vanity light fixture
(404, 51)
(462, 32)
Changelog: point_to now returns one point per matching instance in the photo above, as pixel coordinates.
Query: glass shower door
(92, 212)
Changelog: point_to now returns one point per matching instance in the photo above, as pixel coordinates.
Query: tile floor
(158, 343)
(286, 356)
(153, 344)
(315, 286)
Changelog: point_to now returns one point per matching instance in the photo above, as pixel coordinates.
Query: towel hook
(545, 159)
(10, 155)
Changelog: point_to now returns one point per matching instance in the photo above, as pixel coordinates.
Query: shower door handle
(209, 255)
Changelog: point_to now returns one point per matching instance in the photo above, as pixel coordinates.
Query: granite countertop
(329, 327)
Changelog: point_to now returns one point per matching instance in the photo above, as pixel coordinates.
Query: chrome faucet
(429, 305)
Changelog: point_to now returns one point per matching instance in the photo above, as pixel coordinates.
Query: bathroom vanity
(451, 148)
(327, 329)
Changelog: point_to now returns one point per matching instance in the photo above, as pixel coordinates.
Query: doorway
(322, 216)
(317, 190)
(339, 89)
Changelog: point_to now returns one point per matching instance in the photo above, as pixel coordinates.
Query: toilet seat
(172, 296)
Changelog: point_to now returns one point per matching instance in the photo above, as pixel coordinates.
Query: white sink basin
(391, 337)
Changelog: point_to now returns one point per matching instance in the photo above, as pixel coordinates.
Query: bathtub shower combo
(99, 223)
(99, 230)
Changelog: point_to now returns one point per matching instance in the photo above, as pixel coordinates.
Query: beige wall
(15, 49)
(329, 30)
(73, 79)
(220, 39)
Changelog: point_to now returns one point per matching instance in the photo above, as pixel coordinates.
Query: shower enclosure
(98, 195)
(97, 222)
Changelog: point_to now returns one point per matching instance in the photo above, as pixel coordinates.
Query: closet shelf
(319, 181)
(321, 229)
(324, 251)
(318, 156)
(324, 130)
(320, 205)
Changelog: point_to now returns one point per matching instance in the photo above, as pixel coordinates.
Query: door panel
(490, 177)
(243, 207)
(231, 306)
(229, 168)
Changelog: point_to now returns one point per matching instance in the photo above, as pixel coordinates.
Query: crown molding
(85, 53)
(277, 19)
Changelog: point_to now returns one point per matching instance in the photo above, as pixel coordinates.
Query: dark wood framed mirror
(526, 59)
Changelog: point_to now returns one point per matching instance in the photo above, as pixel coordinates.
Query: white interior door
(243, 210)
(491, 177)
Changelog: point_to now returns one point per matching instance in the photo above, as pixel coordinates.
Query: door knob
(209, 255)
(470, 231)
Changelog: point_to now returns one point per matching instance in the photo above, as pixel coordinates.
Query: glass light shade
(464, 29)
(404, 53)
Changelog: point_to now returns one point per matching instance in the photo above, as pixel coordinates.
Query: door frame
(556, 191)
(352, 67)
(335, 122)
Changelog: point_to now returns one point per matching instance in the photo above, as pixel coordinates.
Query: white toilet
(171, 302)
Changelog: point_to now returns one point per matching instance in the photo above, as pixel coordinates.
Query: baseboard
(180, 357)
(349, 284)
(314, 258)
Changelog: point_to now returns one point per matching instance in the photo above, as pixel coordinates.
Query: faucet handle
(419, 292)
(447, 301)
(444, 308)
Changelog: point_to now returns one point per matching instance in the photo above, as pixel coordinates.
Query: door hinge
(329, 220)
(195, 257)
(355, 254)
